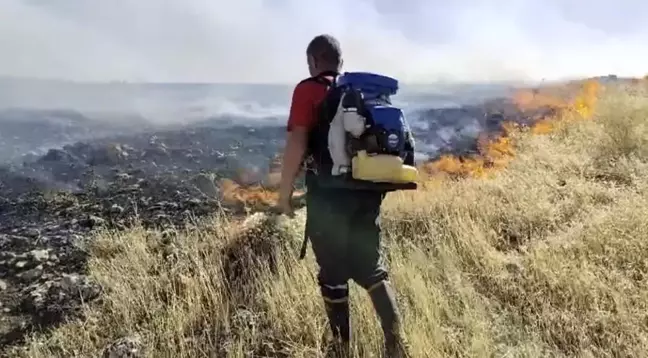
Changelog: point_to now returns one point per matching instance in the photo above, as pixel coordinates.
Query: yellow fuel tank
(382, 168)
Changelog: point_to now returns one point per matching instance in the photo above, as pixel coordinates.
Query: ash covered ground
(64, 174)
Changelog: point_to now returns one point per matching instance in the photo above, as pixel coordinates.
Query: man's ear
(312, 61)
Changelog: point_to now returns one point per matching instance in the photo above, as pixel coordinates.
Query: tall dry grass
(547, 258)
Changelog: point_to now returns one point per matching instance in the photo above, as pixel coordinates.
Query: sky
(263, 41)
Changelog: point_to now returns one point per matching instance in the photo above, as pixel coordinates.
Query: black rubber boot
(339, 321)
(384, 302)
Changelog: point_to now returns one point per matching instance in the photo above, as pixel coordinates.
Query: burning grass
(574, 101)
(548, 257)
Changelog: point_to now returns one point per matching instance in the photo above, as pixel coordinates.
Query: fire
(528, 99)
(586, 101)
(248, 192)
(495, 154)
(233, 193)
(253, 196)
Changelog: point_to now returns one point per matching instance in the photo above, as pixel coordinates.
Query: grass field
(544, 256)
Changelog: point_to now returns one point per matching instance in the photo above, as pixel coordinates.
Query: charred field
(525, 239)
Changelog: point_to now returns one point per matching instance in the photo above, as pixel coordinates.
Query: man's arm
(299, 123)
(292, 158)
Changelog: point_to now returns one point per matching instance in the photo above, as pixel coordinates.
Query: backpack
(360, 139)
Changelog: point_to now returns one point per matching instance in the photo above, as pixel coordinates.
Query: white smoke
(264, 41)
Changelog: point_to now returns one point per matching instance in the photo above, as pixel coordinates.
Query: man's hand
(291, 164)
(285, 202)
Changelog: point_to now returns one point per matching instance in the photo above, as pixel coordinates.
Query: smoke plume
(264, 40)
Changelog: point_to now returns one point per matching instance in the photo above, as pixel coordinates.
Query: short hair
(325, 48)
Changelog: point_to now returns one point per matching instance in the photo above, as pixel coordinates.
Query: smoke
(264, 41)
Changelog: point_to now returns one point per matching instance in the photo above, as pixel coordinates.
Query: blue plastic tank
(371, 84)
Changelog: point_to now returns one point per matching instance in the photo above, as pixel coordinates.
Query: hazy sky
(264, 41)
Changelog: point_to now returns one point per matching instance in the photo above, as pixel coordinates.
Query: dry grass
(548, 258)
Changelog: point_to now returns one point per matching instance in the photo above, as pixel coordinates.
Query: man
(342, 223)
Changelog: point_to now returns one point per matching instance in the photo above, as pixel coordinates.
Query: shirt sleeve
(302, 113)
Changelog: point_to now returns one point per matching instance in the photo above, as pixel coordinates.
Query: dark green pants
(344, 230)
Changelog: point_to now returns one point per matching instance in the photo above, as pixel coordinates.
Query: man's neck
(319, 73)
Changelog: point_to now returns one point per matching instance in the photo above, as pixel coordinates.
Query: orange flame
(256, 196)
(235, 192)
(495, 154)
(529, 99)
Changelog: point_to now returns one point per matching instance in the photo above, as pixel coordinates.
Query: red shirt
(307, 95)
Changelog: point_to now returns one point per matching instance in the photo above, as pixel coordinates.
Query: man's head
(323, 54)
